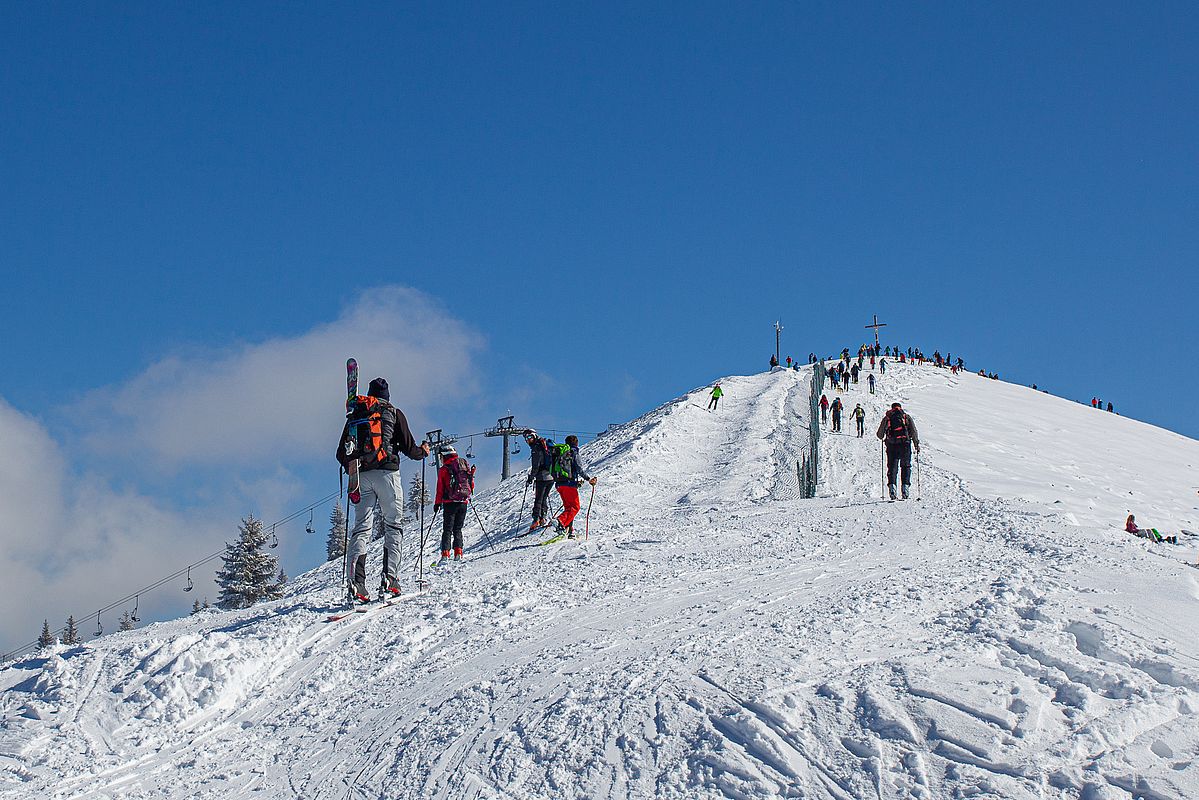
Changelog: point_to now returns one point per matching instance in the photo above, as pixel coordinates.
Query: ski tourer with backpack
(899, 436)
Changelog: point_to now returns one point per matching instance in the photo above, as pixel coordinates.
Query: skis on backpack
(350, 443)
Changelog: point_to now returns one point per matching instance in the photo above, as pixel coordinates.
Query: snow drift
(715, 636)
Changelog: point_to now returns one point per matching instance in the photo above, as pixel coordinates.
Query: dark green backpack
(561, 462)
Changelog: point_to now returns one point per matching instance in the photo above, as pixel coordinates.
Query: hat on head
(448, 450)
(896, 405)
(378, 388)
(530, 433)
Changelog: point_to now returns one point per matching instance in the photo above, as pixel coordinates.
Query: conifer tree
(205, 607)
(280, 582)
(418, 495)
(335, 545)
(250, 573)
(195, 607)
(126, 623)
(47, 639)
(71, 634)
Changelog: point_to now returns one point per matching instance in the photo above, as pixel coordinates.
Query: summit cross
(876, 326)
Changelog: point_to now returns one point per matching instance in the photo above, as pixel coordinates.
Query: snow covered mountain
(716, 636)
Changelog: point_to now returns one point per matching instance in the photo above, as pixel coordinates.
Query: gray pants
(541, 499)
(382, 488)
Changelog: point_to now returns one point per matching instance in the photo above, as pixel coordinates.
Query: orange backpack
(364, 432)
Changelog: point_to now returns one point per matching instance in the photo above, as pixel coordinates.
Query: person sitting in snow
(1151, 534)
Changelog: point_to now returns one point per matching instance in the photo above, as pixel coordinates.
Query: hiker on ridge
(568, 468)
(717, 393)
(455, 483)
(836, 409)
(379, 484)
(899, 432)
(539, 473)
(859, 416)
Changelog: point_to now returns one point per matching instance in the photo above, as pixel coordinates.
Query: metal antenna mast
(876, 326)
(505, 428)
(777, 330)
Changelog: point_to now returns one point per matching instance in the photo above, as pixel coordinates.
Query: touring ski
(351, 442)
(554, 539)
(365, 608)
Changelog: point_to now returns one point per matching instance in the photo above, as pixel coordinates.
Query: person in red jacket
(455, 484)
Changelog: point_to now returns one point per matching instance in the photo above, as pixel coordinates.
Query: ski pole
(345, 538)
(917, 474)
(490, 544)
(587, 518)
(420, 561)
(882, 467)
(432, 524)
(523, 498)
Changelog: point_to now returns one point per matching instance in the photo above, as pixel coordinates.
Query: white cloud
(233, 427)
(283, 398)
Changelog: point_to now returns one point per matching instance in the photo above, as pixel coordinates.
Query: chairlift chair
(188, 588)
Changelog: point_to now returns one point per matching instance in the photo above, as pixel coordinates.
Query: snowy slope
(715, 636)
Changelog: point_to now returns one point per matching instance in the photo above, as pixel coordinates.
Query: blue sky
(575, 212)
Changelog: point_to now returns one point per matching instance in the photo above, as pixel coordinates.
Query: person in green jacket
(717, 393)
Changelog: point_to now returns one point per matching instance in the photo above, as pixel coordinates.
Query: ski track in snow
(715, 637)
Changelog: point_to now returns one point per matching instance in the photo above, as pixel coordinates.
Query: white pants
(383, 488)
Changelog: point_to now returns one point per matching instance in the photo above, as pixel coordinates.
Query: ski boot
(457, 553)
(891, 490)
(358, 594)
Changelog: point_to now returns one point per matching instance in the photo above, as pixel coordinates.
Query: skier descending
(539, 473)
(387, 436)
(899, 432)
(859, 416)
(455, 484)
(567, 469)
(718, 393)
(836, 409)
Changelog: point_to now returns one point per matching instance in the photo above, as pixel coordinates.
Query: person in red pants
(567, 471)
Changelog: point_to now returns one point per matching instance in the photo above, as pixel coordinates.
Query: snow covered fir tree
(70, 634)
(418, 496)
(46, 638)
(335, 544)
(251, 573)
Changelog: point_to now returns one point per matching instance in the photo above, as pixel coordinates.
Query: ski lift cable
(179, 573)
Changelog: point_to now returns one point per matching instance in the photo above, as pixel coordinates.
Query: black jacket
(397, 439)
